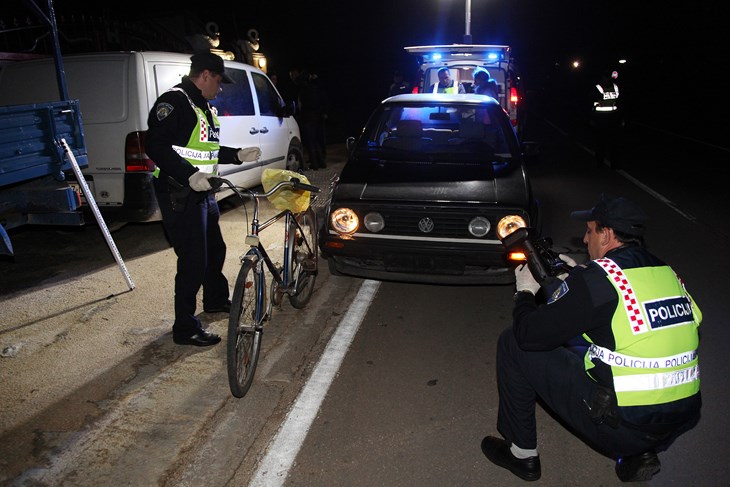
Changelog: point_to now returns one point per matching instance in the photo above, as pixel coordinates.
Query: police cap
(615, 212)
(211, 62)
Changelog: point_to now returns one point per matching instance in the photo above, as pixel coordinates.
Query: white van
(116, 91)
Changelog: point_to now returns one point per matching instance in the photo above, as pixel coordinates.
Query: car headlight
(344, 221)
(479, 226)
(509, 224)
(374, 222)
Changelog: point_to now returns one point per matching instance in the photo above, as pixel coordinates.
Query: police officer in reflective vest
(183, 141)
(446, 84)
(607, 121)
(612, 352)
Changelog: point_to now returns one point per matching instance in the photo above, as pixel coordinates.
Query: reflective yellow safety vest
(451, 90)
(655, 331)
(201, 150)
(610, 98)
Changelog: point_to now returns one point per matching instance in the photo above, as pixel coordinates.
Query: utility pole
(467, 34)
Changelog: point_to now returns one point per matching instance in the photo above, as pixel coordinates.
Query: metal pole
(467, 35)
(97, 214)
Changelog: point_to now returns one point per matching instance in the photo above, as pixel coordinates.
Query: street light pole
(467, 34)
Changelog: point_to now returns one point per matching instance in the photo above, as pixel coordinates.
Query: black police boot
(636, 468)
(498, 452)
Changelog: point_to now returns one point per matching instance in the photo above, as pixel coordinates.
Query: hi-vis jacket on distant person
(606, 100)
(609, 98)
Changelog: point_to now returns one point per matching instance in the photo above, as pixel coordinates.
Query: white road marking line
(283, 449)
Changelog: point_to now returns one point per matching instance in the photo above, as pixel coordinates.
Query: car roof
(441, 98)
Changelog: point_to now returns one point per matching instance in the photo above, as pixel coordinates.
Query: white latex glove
(248, 154)
(199, 181)
(524, 280)
(567, 260)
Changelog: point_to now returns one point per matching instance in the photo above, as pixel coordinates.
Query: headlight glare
(509, 224)
(344, 221)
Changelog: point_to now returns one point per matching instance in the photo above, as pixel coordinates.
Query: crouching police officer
(183, 141)
(633, 386)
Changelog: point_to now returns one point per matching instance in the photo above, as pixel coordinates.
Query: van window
(236, 98)
(167, 76)
(269, 99)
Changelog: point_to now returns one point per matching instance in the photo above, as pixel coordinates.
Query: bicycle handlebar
(217, 182)
(297, 184)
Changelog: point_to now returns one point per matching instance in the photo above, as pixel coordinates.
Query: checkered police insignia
(558, 293)
(163, 110)
(627, 296)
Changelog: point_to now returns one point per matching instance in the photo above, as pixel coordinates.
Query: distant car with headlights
(429, 187)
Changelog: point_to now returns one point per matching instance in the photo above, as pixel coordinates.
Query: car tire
(295, 157)
(333, 268)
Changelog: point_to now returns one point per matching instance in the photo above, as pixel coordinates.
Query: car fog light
(345, 221)
(509, 224)
(374, 222)
(479, 226)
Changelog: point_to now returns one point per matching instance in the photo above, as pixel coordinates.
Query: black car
(428, 190)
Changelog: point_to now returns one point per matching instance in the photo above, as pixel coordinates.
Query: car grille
(447, 222)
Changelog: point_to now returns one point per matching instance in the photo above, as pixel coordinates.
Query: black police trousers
(559, 379)
(194, 232)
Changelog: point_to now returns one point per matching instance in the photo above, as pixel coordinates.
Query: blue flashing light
(436, 56)
(492, 56)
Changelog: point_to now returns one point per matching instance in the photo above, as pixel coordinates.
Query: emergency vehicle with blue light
(462, 60)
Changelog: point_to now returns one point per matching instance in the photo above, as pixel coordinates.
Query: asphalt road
(94, 392)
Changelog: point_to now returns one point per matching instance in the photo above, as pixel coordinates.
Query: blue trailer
(33, 161)
(33, 166)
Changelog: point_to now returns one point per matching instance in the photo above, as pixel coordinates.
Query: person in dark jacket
(628, 383)
(183, 141)
(485, 84)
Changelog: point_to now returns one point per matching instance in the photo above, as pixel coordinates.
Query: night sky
(355, 45)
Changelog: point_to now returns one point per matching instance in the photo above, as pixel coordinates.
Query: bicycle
(250, 305)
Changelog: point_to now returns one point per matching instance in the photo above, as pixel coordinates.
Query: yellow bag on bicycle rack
(286, 198)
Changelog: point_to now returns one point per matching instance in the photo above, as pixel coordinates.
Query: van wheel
(294, 158)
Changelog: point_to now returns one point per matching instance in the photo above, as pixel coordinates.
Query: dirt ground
(73, 336)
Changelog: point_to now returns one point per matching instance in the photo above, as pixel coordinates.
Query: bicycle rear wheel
(303, 258)
(244, 328)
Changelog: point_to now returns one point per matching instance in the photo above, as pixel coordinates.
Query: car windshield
(434, 132)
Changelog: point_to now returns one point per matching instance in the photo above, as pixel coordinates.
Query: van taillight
(513, 98)
(135, 158)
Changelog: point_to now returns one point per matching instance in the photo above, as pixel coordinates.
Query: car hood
(377, 179)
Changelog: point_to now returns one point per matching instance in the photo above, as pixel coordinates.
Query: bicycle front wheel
(244, 328)
(303, 255)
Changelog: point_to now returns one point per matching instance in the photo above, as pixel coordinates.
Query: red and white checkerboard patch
(626, 292)
(203, 130)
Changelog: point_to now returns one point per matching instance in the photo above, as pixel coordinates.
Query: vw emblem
(425, 225)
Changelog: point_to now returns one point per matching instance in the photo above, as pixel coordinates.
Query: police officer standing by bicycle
(183, 141)
(628, 382)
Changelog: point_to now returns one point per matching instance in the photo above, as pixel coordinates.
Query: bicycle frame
(280, 278)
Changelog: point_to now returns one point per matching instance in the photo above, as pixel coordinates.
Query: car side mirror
(284, 111)
(350, 144)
